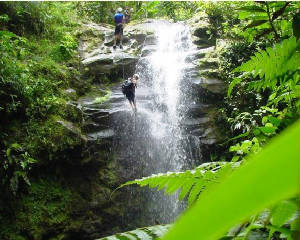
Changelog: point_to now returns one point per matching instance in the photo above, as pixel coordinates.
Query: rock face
(103, 122)
(99, 58)
(207, 89)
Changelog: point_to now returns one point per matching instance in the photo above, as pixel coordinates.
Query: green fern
(191, 182)
(145, 233)
(271, 64)
(274, 62)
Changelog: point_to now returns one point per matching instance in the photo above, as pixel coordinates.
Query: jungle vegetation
(256, 176)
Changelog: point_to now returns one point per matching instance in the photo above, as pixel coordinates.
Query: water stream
(154, 141)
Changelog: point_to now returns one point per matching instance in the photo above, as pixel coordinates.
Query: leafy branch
(191, 182)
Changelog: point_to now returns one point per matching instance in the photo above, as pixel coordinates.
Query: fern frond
(150, 233)
(191, 182)
(273, 62)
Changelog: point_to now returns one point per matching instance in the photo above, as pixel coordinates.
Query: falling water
(154, 141)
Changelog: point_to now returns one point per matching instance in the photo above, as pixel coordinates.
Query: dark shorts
(130, 96)
(119, 29)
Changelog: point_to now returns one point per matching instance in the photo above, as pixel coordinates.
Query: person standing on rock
(119, 20)
(129, 91)
(127, 14)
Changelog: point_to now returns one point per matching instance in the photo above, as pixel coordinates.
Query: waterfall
(154, 140)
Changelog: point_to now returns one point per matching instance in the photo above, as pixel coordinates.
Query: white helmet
(136, 76)
(119, 10)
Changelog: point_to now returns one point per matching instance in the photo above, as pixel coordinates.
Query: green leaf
(255, 23)
(145, 233)
(275, 121)
(274, 174)
(272, 64)
(195, 191)
(186, 188)
(7, 34)
(235, 158)
(232, 84)
(190, 180)
(272, 96)
(252, 9)
(283, 212)
(267, 130)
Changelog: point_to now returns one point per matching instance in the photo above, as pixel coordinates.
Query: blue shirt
(118, 18)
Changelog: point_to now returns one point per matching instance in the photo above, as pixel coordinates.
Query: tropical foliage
(249, 191)
(232, 200)
(271, 76)
(153, 232)
(191, 182)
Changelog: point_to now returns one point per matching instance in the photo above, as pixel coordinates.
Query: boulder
(109, 63)
(91, 36)
(139, 32)
(97, 55)
(200, 26)
(203, 42)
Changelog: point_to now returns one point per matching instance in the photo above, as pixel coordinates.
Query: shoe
(114, 47)
(121, 47)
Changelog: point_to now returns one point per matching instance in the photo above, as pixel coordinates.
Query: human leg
(115, 42)
(121, 36)
(116, 35)
(131, 98)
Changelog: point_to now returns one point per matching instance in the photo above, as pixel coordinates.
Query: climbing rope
(123, 65)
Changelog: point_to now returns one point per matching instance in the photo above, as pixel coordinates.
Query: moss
(210, 73)
(208, 63)
(103, 98)
(49, 137)
(46, 208)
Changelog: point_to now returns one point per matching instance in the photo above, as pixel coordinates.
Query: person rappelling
(119, 20)
(128, 89)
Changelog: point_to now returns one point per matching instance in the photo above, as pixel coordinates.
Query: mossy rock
(210, 73)
(45, 209)
(205, 63)
(204, 42)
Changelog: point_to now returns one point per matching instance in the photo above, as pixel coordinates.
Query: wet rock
(74, 112)
(148, 50)
(71, 93)
(107, 133)
(196, 121)
(209, 73)
(208, 63)
(139, 32)
(97, 55)
(150, 40)
(215, 86)
(204, 42)
(72, 129)
(208, 141)
(91, 36)
(109, 63)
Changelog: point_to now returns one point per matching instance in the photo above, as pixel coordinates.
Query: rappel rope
(123, 65)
